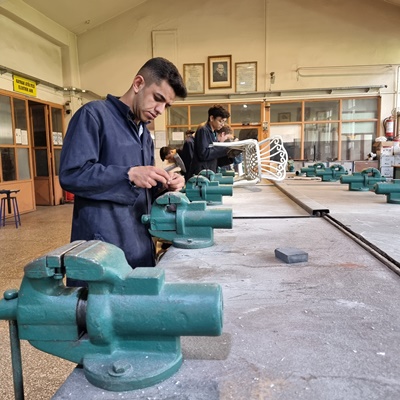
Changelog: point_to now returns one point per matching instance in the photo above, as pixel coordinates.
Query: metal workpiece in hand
(261, 160)
(185, 224)
(124, 328)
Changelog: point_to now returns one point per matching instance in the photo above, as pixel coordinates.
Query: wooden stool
(8, 201)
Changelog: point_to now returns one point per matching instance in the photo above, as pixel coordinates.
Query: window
(14, 150)
(324, 125)
(8, 163)
(314, 130)
(6, 131)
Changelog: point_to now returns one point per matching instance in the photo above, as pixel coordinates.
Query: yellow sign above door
(24, 86)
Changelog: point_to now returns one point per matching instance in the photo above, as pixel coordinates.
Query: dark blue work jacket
(204, 156)
(101, 144)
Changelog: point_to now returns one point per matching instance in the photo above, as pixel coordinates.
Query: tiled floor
(41, 232)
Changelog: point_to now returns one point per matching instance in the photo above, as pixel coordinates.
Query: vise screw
(124, 328)
(199, 188)
(364, 180)
(188, 225)
(391, 190)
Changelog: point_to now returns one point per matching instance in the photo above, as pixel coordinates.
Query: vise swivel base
(124, 328)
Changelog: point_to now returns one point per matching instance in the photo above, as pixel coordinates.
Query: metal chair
(261, 160)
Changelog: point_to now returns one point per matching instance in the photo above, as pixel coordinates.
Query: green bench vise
(391, 190)
(186, 224)
(332, 173)
(218, 177)
(124, 328)
(225, 172)
(363, 181)
(200, 188)
(311, 170)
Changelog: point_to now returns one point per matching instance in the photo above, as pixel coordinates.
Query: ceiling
(80, 16)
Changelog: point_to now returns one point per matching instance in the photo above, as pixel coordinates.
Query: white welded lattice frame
(261, 160)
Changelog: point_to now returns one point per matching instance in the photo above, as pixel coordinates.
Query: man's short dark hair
(164, 151)
(159, 69)
(225, 129)
(218, 111)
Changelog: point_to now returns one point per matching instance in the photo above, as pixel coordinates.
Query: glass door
(46, 124)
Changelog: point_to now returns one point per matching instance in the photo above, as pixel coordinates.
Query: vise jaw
(186, 224)
(124, 328)
(200, 188)
(223, 179)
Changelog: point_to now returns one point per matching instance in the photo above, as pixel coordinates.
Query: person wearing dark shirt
(107, 162)
(225, 134)
(205, 155)
(186, 153)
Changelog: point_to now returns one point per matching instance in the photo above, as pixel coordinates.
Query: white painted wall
(281, 35)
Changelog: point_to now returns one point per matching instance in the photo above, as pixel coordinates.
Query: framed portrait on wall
(284, 117)
(246, 76)
(193, 76)
(219, 72)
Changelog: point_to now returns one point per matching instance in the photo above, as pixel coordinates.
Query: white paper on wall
(18, 138)
(24, 137)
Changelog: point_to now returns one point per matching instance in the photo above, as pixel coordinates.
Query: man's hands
(149, 176)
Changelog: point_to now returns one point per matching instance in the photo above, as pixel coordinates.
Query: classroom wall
(339, 43)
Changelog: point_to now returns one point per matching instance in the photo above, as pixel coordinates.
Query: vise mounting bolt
(188, 225)
(124, 328)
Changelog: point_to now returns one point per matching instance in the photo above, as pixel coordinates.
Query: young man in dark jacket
(204, 155)
(107, 162)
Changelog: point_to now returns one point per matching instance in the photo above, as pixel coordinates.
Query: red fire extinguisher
(388, 125)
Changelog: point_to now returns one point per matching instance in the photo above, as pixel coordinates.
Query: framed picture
(193, 75)
(246, 76)
(284, 117)
(219, 72)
